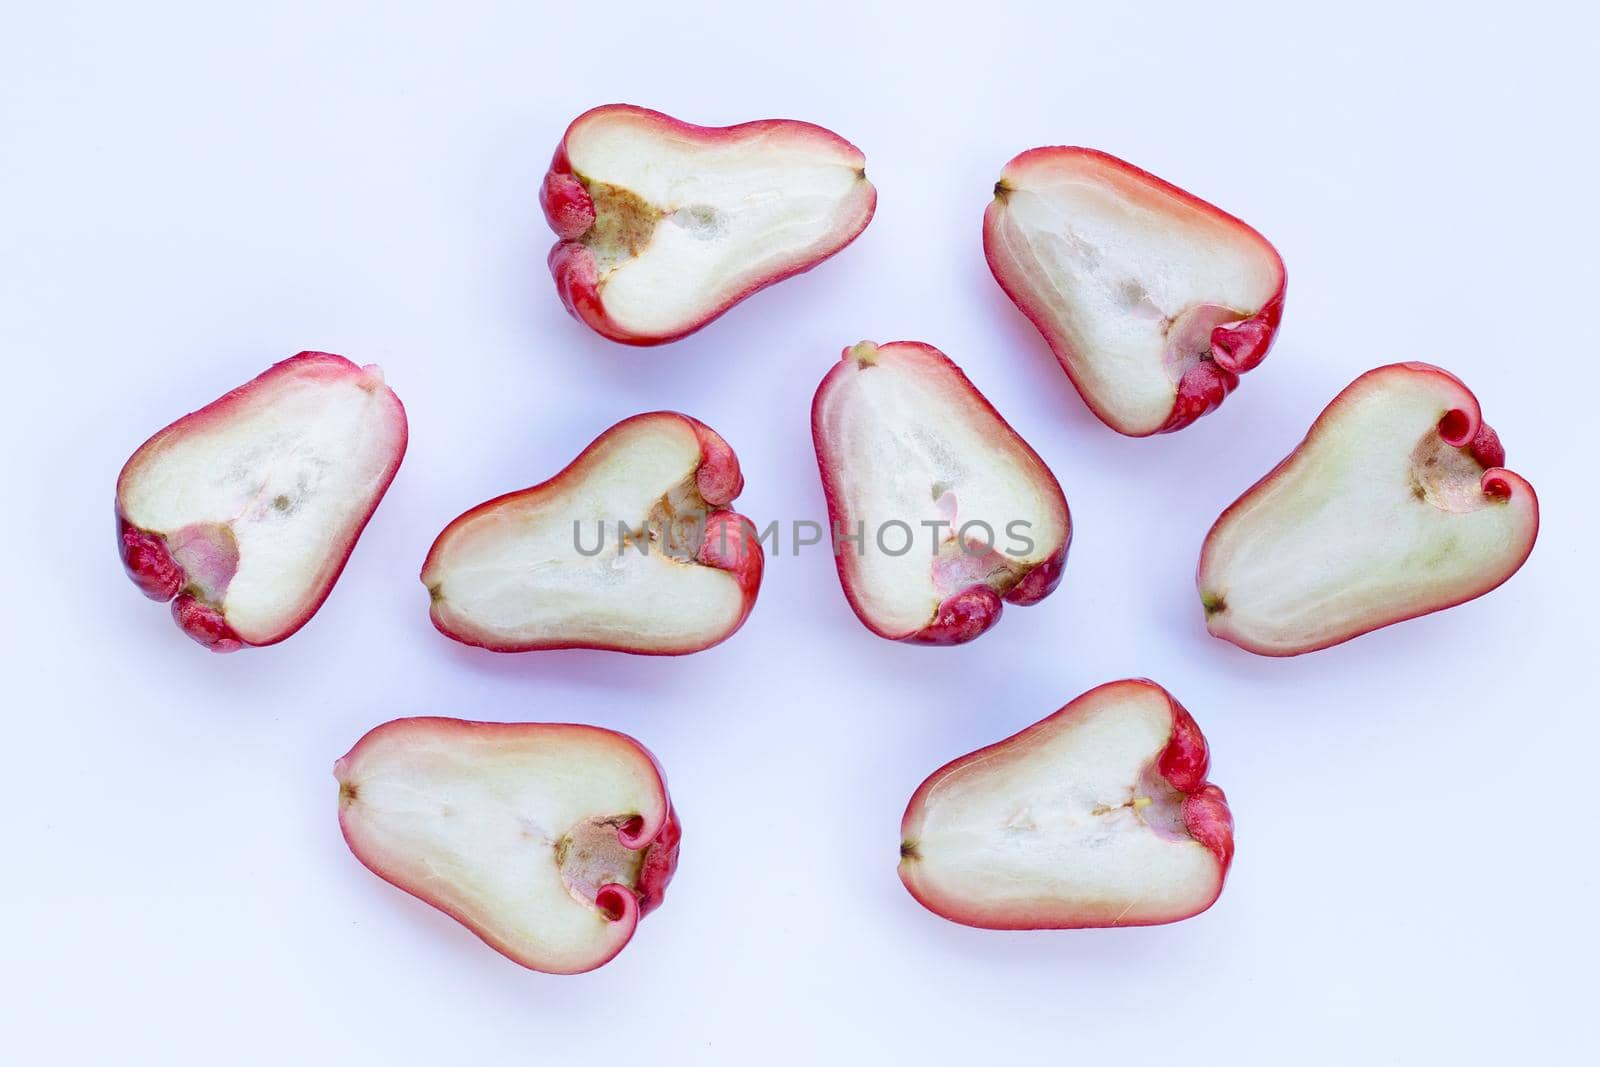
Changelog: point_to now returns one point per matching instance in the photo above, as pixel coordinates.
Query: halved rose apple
(243, 513)
(1396, 504)
(1153, 301)
(630, 548)
(665, 225)
(549, 841)
(1099, 815)
(941, 511)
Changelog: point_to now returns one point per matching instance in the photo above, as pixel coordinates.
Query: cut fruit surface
(1099, 815)
(630, 548)
(548, 840)
(1153, 301)
(951, 513)
(1396, 504)
(244, 512)
(665, 225)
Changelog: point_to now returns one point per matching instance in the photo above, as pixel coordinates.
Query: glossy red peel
(911, 453)
(665, 225)
(1395, 505)
(1153, 301)
(630, 548)
(1099, 815)
(550, 841)
(242, 514)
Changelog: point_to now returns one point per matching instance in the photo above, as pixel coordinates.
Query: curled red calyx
(205, 624)
(659, 865)
(1186, 759)
(148, 563)
(1042, 580)
(961, 617)
(1201, 391)
(1208, 820)
(567, 205)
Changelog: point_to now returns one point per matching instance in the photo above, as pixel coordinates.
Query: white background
(191, 194)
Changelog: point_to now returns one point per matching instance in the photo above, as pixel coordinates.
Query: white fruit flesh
(1065, 825)
(278, 484)
(685, 226)
(905, 438)
(1373, 519)
(1120, 270)
(510, 829)
(511, 573)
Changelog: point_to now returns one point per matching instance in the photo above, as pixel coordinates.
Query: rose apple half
(1100, 815)
(549, 841)
(1396, 504)
(631, 548)
(665, 225)
(940, 512)
(1153, 301)
(244, 512)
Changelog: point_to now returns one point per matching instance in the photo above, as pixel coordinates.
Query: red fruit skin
(1236, 347)
(1462, 426)
(570, 211)
(144, 553)
(1183, 764)
(968, 614)
(661, 843)
(730, 542)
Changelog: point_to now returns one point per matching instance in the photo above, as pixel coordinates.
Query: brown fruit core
(1445, 476)
(591, 857)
